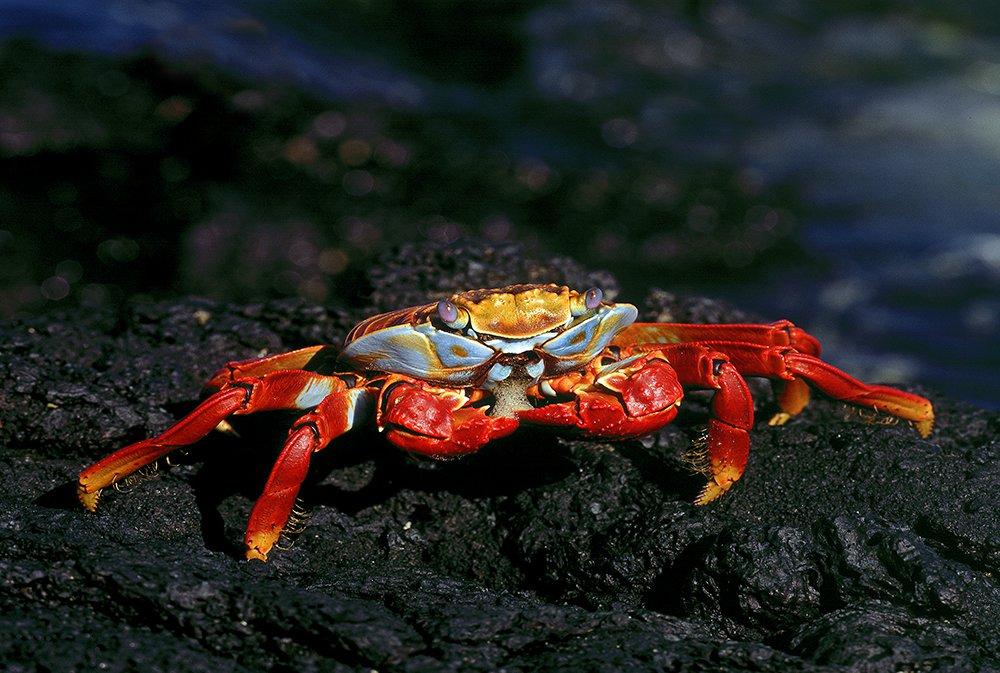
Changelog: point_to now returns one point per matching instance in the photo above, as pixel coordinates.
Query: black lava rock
(846, 546)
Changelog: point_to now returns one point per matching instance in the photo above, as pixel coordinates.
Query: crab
(443, 379)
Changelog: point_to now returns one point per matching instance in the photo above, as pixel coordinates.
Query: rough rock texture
(847, 546)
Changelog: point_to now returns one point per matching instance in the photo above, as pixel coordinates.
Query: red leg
(189, 429)
(335, 415)
(727, 438)
(301, 359)
(274, 390)
(640, 337)
(790, 365)
(792, 395)
(631, 398)
(436, 421)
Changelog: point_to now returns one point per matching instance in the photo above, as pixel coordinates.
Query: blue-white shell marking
(421, 351)
(452, 358)
(575, 347)
(315, 392)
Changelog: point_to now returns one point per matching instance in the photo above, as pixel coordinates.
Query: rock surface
(847, 546)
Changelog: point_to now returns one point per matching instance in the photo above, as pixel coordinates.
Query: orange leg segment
(302, 359)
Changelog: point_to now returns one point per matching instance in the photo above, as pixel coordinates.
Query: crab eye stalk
(593, 297)
(451, 316)
(588, 301)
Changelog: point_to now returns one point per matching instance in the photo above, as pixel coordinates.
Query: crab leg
(310, 359)
(629, 398)
(648, 336)
(792, 393)
(335, 415)
(436, 421)
(727, 438)
(273, 390)
(639, 395)
(128, 460)
(788, 364)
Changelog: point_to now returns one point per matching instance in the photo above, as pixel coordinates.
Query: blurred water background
(834, 163)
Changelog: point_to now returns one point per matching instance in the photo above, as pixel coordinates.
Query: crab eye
(447, 311)
(593, 297)
(451, 316)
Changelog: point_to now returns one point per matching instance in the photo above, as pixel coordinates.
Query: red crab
(444, 379)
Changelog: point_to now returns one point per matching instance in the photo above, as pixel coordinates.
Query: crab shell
(483, 337)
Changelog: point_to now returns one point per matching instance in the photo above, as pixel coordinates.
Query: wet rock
(845, 546)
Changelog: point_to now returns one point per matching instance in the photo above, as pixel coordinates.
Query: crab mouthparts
(511, 396)
(509, 379)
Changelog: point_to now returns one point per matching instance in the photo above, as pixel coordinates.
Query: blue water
(903, 190)
(886, 123)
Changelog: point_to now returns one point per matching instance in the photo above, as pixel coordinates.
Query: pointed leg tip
(712, 491)
(226, 428)
(88, 498)
(255, 553)
(924, 427)
(779, 418)
(259, 545)
(258, 548)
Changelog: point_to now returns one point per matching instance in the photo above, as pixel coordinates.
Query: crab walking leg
(275, 390)
(728, 435)
(310, 358)
(648, 336)
(790, 365)
(335, 415)
(126, 461)
(792, 394)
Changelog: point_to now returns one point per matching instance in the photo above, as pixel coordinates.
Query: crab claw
(630, 399)
(437, 422)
